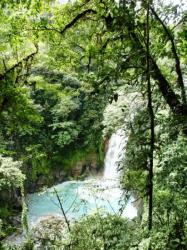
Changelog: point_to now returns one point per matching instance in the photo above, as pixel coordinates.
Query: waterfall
(114, 155)
(84, 197)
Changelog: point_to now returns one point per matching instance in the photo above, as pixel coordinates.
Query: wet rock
(78, 169)
(42, 181)
(60, 175)
(106, 143)
(16, 220)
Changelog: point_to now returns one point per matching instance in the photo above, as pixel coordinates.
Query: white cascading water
(112, 171)
(114, 155)
(109, 184)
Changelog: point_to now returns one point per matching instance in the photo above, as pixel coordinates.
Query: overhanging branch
(25, 59)
(76, 19)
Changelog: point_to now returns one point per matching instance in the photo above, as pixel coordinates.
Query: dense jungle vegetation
(68, 71)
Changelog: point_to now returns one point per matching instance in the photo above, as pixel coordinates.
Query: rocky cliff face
(83, 168)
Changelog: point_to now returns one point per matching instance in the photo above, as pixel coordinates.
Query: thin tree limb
(152, 122)
(77, 18)
(62, 209)
(67, 26)
(175, 54)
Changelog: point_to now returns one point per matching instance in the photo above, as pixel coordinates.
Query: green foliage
(170, 195)
(50, 233)
(101, 232)
(11, 179)
(84, 156)
(10, 173)
(135, 163)
(170, 159)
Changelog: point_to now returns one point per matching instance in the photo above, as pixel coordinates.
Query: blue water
(78, 198)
